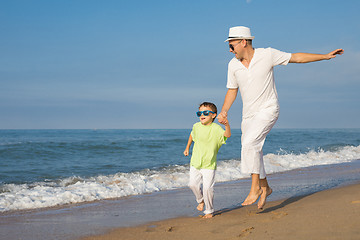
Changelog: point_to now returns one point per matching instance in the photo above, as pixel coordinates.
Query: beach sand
(329, 214)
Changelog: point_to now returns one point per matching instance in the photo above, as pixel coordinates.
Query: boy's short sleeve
(222, 138)
(193, 135)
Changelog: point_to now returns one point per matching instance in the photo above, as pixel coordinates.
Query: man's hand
(186, 152)
(334, 53)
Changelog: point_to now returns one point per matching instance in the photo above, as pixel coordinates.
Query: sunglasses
(206, 113)
(232, 47)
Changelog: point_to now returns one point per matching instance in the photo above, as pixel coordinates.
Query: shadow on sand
(282, 204)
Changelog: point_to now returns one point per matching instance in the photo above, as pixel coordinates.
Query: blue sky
(148, 64)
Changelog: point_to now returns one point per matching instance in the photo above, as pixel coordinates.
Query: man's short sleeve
(231, 80)
(279, 57)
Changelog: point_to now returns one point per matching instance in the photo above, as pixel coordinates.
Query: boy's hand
(227, 132)
(186, 152)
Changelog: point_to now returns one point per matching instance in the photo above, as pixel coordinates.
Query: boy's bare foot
(252, 197)
(209, 215)
(266, 192)
(200, 207)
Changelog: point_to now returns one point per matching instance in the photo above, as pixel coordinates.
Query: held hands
(222, 118)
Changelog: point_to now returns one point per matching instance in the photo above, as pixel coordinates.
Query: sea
(48, 168)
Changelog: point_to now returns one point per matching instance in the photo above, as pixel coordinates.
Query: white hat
(239, 33)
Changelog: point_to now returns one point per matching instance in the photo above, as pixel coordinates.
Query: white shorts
(254, 131)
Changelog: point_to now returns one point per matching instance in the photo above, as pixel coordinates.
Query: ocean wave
(77, 189)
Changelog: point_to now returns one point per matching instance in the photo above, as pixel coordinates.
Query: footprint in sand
(245, 232)
(170, 229)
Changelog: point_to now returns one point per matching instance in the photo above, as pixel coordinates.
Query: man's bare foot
(266, 192)
(209, 215)
(252, 197)
(200, 207)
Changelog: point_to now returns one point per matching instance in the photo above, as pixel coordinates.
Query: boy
(208, 138)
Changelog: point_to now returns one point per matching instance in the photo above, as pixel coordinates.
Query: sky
(86, 64)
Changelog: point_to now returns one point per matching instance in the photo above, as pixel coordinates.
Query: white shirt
(256, 83)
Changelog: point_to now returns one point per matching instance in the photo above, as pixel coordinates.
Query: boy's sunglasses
(206, 113)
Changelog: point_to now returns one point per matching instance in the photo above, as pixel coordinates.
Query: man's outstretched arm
(311, 57)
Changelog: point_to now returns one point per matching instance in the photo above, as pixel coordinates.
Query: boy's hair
(211, 106)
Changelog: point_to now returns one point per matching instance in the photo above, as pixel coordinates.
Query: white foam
(76, 189)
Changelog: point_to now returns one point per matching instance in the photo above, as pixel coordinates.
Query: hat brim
(237, 38)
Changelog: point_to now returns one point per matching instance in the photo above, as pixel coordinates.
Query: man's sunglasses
(232, 47)
(206, 113)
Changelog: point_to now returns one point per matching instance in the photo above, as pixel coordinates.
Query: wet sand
(329, 214)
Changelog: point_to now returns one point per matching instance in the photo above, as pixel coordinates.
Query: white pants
(254, 131)
(206, 177)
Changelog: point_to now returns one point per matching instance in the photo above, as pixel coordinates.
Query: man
(251, 72)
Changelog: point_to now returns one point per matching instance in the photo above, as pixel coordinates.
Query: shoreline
(99, 217)
(328, 214)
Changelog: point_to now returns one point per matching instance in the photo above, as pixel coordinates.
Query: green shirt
(207, 141)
